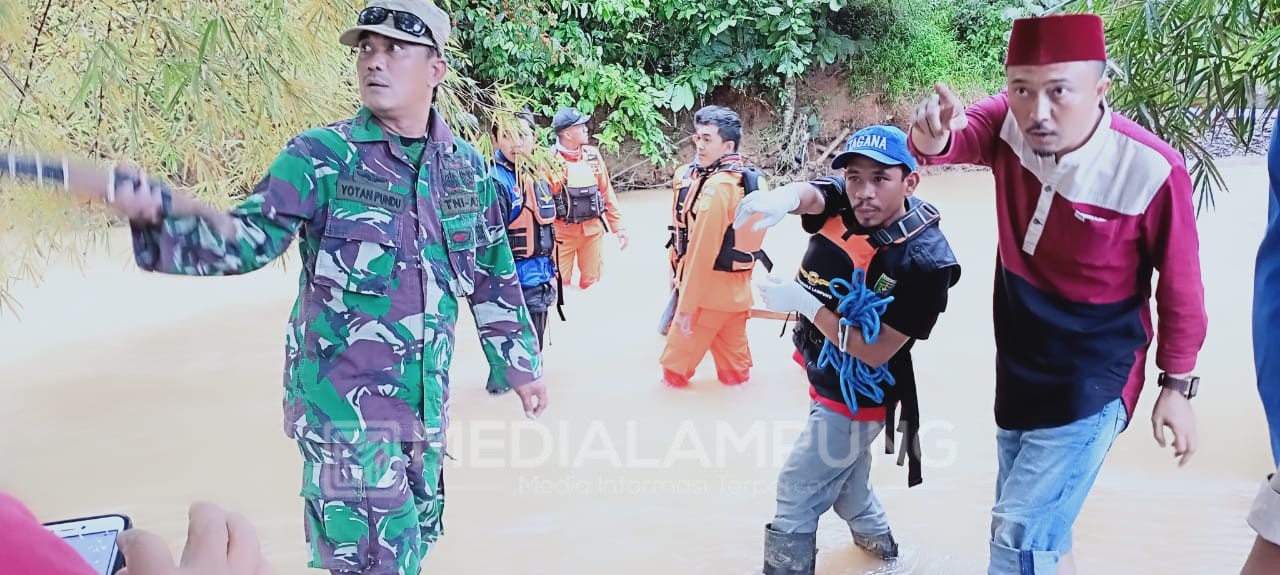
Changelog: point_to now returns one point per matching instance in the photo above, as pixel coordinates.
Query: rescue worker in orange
(586, 199)
(713, 261)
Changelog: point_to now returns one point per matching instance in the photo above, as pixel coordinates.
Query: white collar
(1096, 143)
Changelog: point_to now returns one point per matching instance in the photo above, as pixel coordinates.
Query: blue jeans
(1266, 307)
(1045, 476)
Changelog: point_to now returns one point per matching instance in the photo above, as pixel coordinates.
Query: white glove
(785, 295)
(773, 205)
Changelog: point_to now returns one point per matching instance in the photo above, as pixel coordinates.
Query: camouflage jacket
(386, 254)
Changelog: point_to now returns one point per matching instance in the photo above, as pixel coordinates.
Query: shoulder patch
(704, 201)
(884, 285)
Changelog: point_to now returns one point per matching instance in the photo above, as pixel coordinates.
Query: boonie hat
(567, 118)
(416, 21)
(884, 144)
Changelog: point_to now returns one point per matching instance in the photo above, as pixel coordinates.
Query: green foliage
(1183, 66)
(915, 43)
(645, 60)
(982, 27)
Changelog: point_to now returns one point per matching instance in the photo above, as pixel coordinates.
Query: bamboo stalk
(757, 313)
(12, 80)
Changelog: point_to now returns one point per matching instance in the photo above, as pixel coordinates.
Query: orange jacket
(592, 158)
(702, 286)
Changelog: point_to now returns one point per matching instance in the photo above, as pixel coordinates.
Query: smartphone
(95, 539)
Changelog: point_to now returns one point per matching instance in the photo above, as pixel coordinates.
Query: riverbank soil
(138, 393)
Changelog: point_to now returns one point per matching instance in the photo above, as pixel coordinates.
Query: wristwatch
(1188, 387)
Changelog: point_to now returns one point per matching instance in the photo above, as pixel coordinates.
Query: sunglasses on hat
(406, 22)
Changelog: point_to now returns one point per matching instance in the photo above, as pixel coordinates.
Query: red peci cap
(1054, 39)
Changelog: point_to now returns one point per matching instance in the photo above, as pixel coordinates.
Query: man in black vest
(857, 375)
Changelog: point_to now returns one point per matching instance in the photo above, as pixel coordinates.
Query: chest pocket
(545, 202)
(359, 249)
(1084, 236)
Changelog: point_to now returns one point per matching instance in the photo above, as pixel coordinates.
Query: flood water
(136, 393)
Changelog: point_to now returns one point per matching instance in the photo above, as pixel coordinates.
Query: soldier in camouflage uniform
(396, 220)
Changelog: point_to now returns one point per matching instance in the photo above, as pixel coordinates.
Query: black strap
(750, 179)
(559, 284)
(916, 219)
(764, 260)
(890, 415)
(909, 426)
(560, 296)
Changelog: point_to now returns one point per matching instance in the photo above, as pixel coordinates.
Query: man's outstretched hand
(766, 208)
(218, 543)
(140, 199)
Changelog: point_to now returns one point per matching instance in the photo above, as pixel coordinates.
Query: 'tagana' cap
(884, 144)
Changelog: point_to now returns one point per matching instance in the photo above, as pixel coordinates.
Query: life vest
(683, 181)
(581, 199)
(739, 249)
(532, 233)
(833, 252)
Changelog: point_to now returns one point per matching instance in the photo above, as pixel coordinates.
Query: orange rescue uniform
(718, 301)
(590, 202)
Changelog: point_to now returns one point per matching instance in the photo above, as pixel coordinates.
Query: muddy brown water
(136, 393)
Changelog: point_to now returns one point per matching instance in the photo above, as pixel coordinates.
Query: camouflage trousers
(372, 508)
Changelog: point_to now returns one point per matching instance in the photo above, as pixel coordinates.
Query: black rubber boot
(881, 545)
(789, 553)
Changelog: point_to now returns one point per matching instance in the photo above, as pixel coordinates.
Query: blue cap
(884, 144)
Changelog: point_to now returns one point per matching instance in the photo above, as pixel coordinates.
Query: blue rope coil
(859, 308)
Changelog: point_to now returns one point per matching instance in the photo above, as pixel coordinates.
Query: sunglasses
(404, 21)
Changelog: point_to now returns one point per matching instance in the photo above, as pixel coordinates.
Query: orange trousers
(581, 244)
(723, 333)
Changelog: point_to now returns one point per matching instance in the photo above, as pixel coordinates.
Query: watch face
(1187, 387)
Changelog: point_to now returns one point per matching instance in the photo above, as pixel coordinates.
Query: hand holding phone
(95, 539)
(218, 543)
